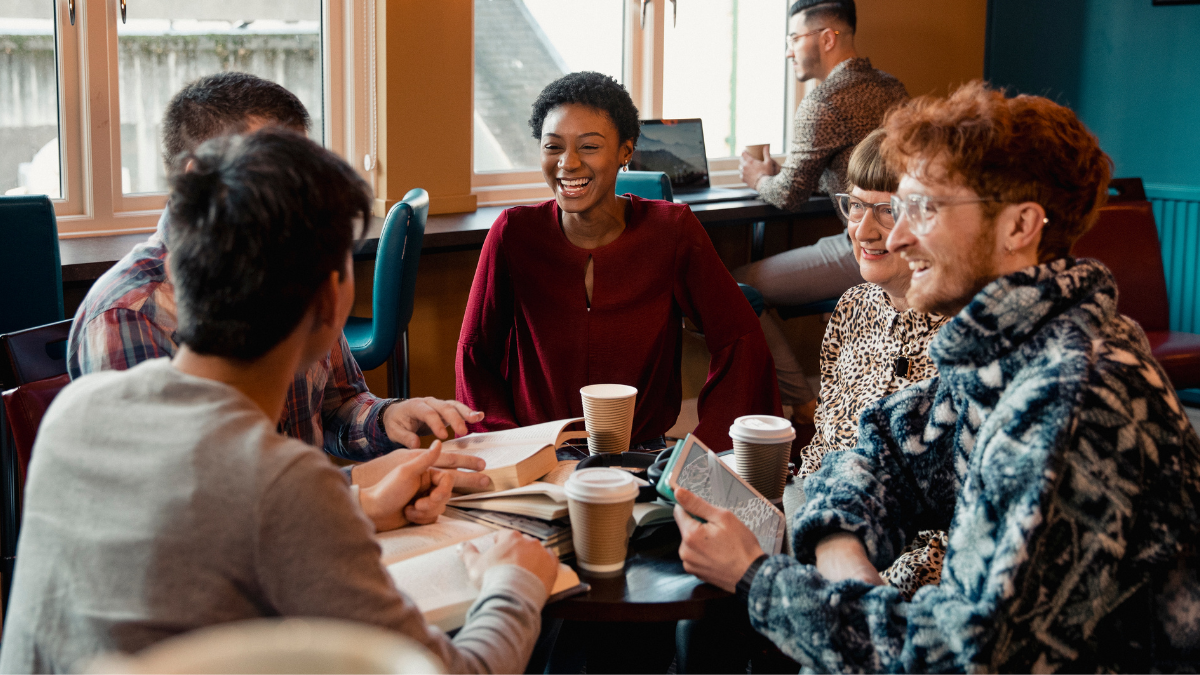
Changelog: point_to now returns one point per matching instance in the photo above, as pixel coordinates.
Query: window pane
(520, 47)
(29, 156)
(166, 44)
(723, 62)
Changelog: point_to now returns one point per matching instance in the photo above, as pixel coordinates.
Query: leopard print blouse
(871, 350)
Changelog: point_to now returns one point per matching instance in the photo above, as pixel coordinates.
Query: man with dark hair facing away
(1051, 446)
(129, 315)
(848, 103)
(162, 499)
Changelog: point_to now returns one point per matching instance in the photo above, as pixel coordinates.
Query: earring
(625, 166)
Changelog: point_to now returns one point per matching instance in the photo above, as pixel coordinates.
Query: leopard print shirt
(829, 122)
(858, 365)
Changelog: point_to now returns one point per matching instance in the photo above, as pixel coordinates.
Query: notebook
(676, 147)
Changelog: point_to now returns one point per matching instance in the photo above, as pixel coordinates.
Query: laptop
(676, 147)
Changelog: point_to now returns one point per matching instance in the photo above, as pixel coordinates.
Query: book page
(414, 540)
(540, 435)
(500, 456)
(560, 474)
(550, 490)
(440, 585)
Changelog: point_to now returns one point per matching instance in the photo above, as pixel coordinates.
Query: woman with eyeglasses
(874, 344)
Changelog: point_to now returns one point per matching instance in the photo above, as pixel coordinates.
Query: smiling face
(869, 237)
(956, 258)
(581, 154)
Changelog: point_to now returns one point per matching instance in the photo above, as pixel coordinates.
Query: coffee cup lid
(608, 391)
(601, 486)
(762, 429)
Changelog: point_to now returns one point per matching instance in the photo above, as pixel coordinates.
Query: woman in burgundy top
(592, 288)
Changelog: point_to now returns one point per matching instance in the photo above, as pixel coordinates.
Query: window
(84, 84)
(520, 47)
(719, 60)
(29, 120)
(163, 45)
(723, 64)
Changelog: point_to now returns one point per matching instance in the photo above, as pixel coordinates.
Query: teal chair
(384, 336)
(645, 184)
(31, 291)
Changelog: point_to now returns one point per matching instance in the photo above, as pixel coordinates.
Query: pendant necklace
(902, 364)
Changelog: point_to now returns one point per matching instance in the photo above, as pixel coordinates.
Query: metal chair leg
(758, 235)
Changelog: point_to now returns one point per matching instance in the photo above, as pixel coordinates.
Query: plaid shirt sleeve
(349, 412)
(117, 339)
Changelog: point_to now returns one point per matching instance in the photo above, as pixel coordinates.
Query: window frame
(643, 77)
(86, 56)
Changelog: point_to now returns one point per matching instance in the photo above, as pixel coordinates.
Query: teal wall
(1129, 69)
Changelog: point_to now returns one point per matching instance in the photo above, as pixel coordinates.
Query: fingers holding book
(716, 546)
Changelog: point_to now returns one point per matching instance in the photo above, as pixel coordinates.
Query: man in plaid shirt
(129, 314)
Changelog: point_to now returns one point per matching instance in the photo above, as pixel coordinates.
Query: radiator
(1177, 213)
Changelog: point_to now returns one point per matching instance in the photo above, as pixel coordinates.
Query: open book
(516, 457)
(425, 564)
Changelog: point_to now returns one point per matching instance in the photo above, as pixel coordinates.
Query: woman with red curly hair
(1051, 445)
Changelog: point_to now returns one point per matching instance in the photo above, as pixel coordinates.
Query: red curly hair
(1021, 149)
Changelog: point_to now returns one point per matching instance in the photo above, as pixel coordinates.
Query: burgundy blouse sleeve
(479, 374)
(741, 374)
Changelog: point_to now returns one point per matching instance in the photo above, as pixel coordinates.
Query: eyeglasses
(856, 209)
(921, 209)
(793, 38)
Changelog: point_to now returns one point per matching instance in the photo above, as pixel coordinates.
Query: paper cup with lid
(608, 416)
(600, 502)
(761, 447)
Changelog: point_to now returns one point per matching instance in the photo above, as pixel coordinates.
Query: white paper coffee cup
(600, 502)
(608, 416)
(761, 447)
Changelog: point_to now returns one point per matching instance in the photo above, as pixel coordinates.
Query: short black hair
(224, 103)
(258, 222)
(836, 10)
(595, 90)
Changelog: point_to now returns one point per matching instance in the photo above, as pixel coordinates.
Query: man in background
(848, 103)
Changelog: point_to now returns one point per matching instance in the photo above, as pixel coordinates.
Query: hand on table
(369, 473)
(718, 551)
(411, 492)
(512, 548)
(753, 169)
(842, 556)
(406, 421)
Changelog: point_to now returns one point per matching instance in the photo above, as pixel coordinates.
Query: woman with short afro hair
(592, 287)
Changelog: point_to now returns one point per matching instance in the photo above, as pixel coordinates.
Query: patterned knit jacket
(1055, 452)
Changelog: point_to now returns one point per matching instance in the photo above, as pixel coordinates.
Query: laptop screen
(675, 147)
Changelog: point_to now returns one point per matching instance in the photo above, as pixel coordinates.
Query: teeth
(574, 182)
(918, 265)
(876, 251)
